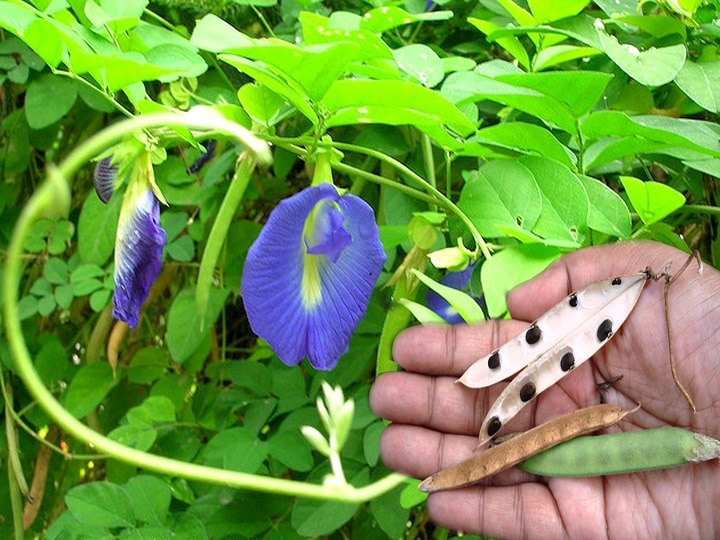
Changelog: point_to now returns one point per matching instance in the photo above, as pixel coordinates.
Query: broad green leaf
(88, 388)
(652, 67)
(559, 54)
(59, 91)
(318, 29)
(658, 26)
(153, 410)
(147, 365)
(150, 498)
(390, 515)
(522, 16)
(580, 91)
(384, 18)
(546, 11)
(392, 102)
(292, 450)
(235, 449)
(260, 3)
(86, 271)
(138, 436)
(607, 212)
(411, 496)
(652, 201)
(471, 86)
(52, 362)
(701, 82)
(313, 68)
(274, 82)
(262, 104)
(526, 139)
(662, 232)
(213, 34)
(45, 40)
(605, 150)
(501, 193)
(185, 329)
(510, 43)
(510, 267)
(420, 62)
(564, 202)
(97, 227)
(15, 17)
(101, 504)
(56, 271)
(178, 59)
(119, 71)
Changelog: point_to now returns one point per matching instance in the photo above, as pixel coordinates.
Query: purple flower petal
(138, 252)
(309, 275)
(104, 179)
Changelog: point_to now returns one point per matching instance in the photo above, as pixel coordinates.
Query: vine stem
(52, 197)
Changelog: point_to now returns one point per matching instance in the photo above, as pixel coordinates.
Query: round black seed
(604, 331)
(493, 426)
(567, 362)
(527, 392)
(532, 335)
(494, 360)
(617, 281)
(573, 300)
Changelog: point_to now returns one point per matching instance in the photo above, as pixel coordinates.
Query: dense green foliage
(522, 130)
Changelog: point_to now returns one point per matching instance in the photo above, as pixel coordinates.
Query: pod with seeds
(630, 451)
(562, 339)
(498, 458)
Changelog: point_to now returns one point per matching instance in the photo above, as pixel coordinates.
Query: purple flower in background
(139, 241)
(456, 280)
(309, 275)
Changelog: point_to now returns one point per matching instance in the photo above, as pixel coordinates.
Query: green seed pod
(630, 451)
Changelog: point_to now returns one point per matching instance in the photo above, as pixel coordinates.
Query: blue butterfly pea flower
(309, 275)
(139, 240)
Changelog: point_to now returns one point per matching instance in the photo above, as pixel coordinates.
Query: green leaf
(27, 307)
(86, 287)
(390, 515)
(56, 271)
(259, 3)
(42, 36)
(235, 449)
(423, 314)
(526, 139)
(214, 35)
(371, 442)
(46, 305)
(564, 215)
(420, 62)
(560, 54)
(501, 193)
(359, 101)
(292, 450)
(59, 91)
(701, 82)
(608, 213)
(101, 504)
(510, 43)
(185, 329)
(88, 388)
(652, 201)
(463, 303)
(153, 410)
(411, 496)
(147, 365)
(652, 67)
(262, 104)
(15, 17)
(51, 362)
(138, 436)
(150, 498)
(385, 18)
(546, 11)
(98, 299)
(97, 227)
(182, 249)
(178, 60)
(510, 267)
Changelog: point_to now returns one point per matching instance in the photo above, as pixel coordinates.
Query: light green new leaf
(385, 18)
(546, 11)
(652, 67)
(214, 35)
(652, 201)
(45, 40)
(463, 303)
(421, 62)
(510, 267)
(359, 101)
(510, 43)
(559, 54)
(701, 82)
(423, 314)
(501, 193)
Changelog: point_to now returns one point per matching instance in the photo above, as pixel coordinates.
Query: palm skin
(435, 422)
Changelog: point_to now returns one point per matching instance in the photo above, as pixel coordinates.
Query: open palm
(436, 421)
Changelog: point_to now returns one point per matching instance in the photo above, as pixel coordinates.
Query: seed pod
(556, 343)
(498, 458)
(630, 451)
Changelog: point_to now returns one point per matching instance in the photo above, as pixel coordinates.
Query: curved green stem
(53, 196)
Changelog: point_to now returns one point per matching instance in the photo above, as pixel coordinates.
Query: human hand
(436, 421)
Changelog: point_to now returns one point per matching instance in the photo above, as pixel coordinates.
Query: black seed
(573, 300)
(527, 392)
(493, 426)
(604, 331)
(532, 336)
(567, 362)
(494, 360)
(617, 281)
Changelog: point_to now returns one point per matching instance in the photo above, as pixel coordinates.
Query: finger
(576, 270)
(450, 349)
